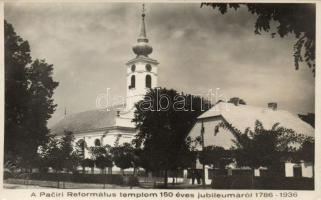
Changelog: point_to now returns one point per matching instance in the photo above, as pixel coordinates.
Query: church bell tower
(142, 70)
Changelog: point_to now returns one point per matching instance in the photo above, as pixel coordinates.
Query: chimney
(236, 102)
(273, 106)
(118, 113)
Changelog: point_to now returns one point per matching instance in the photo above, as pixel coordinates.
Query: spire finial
(143, 11)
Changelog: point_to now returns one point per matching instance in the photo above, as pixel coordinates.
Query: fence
(60, 179)
(249, 182)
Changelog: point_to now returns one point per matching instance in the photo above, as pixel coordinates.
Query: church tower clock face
(142, 70)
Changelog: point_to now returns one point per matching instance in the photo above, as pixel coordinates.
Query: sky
(198, 49)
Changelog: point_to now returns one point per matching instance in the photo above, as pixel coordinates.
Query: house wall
(223, 138)
(307, 170)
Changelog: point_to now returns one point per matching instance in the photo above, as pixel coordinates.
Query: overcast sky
(198, 49)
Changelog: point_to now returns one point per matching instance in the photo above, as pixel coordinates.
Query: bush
(7, 175)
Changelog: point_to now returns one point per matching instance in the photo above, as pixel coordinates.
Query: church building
(104, 126)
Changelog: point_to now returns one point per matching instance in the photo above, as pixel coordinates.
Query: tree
(87, 162)
(50, 154)
(67, 149)
(308, 118)
(164, 119)
(216, 156)
(101, 156)
(79, 152)
(60, 153)
(40, 105)
(28, 100)
(70, 158)
(306, 151)
(263, 147)
(295, 18)
(188, 155)
(102, 162)
(123, 156)
(17, 57)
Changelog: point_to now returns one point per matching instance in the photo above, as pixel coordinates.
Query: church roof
(86, 121)
(244, 116)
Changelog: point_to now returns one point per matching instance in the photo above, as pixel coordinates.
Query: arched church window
(148, 67)
(97, 143)
(133, 68)
(132, 81)
(148, 81)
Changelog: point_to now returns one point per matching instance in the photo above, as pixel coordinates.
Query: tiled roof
(86, 121)
(244, 116)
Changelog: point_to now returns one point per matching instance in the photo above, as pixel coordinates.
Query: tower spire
(142, 36)
(142, 48)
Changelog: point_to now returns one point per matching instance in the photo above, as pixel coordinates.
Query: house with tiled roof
(242, 117)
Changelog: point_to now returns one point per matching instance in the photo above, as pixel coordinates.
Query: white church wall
(89, 138)
(110, 139)
(136, 94)
(125, 122)
(105, 138)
